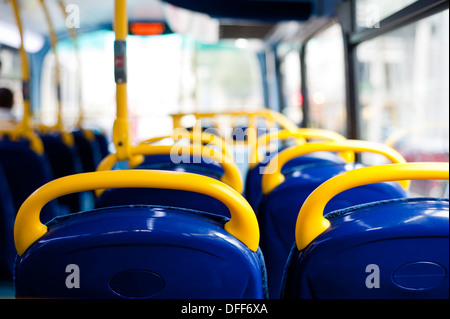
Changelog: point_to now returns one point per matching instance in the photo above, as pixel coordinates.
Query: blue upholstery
(407, 240)
(140, 252)
(120, 196)
(278, 211)
(253, 191)
(102, 142)
(190, 164)
(7, 216)
(64, 160)
(89, 151)
(26, 171)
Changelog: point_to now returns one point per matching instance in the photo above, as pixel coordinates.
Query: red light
(146, 29)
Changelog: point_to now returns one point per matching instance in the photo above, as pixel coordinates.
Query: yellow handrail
(121, 128)
(26, 120)
(73, 35)
(24, 128)
(231, 175)
(273, 177)
(311, 223)
(269, 115)
(54, 42)
(28, 228)
(197, 139)
(300, 135)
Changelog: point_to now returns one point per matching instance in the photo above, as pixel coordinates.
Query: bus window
(291, 86)
(229, 78)
(326, 80)
(166, 75)
(10, 77)
(369, 13)
(97, 81)
(403, 80)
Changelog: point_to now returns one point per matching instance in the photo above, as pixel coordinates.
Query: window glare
(166, 75)
(404, 79)
(326, 80)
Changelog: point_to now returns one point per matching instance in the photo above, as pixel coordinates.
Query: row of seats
(27, 164)
(177, 225)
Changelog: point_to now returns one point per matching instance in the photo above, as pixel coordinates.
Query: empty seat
(284, 195)
(253, 191)
(139, 251)
(7, 217)
(386, 249)
(65, 160)
(26, 170)
(209, 163)
(89, 149)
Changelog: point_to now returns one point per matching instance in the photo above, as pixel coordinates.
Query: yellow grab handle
(301, 135)
(231, 176)
(310, 221)
(203, 137)
(25, 124)
(272, 176)
(35, 141)
(28, 228)
(269, 115)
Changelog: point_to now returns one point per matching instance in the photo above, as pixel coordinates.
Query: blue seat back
(187, 163)
(279, 209)
(26, 171)
(64, 160)
(102, 142)
(389, 249)
(120, 196)
(7, 216)
(89, 151)
(253, 190)
(140, 252)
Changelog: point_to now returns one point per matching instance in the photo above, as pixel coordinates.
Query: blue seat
(286, 139)
(102, 142)
(7, 216)
(143, 251)
(386, 249)
(253, 190)
(26, 171)
(279, 208)
(189, 164)
(89, 150)
(65, 160)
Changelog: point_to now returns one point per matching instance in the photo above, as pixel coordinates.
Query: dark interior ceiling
(262, 10)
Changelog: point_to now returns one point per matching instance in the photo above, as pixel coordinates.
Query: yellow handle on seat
(203, 138)
(66, 137)
(35, 141)
(28, 228)
(272, 176)
(310, 221)
(231, 176)
(301, 135)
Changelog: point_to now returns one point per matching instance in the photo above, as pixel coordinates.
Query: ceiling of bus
(206, 19)
(92, 13)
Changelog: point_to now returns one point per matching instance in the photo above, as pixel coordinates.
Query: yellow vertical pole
(54, 42)
(26, 120)
(73, 35)
(121, 129)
